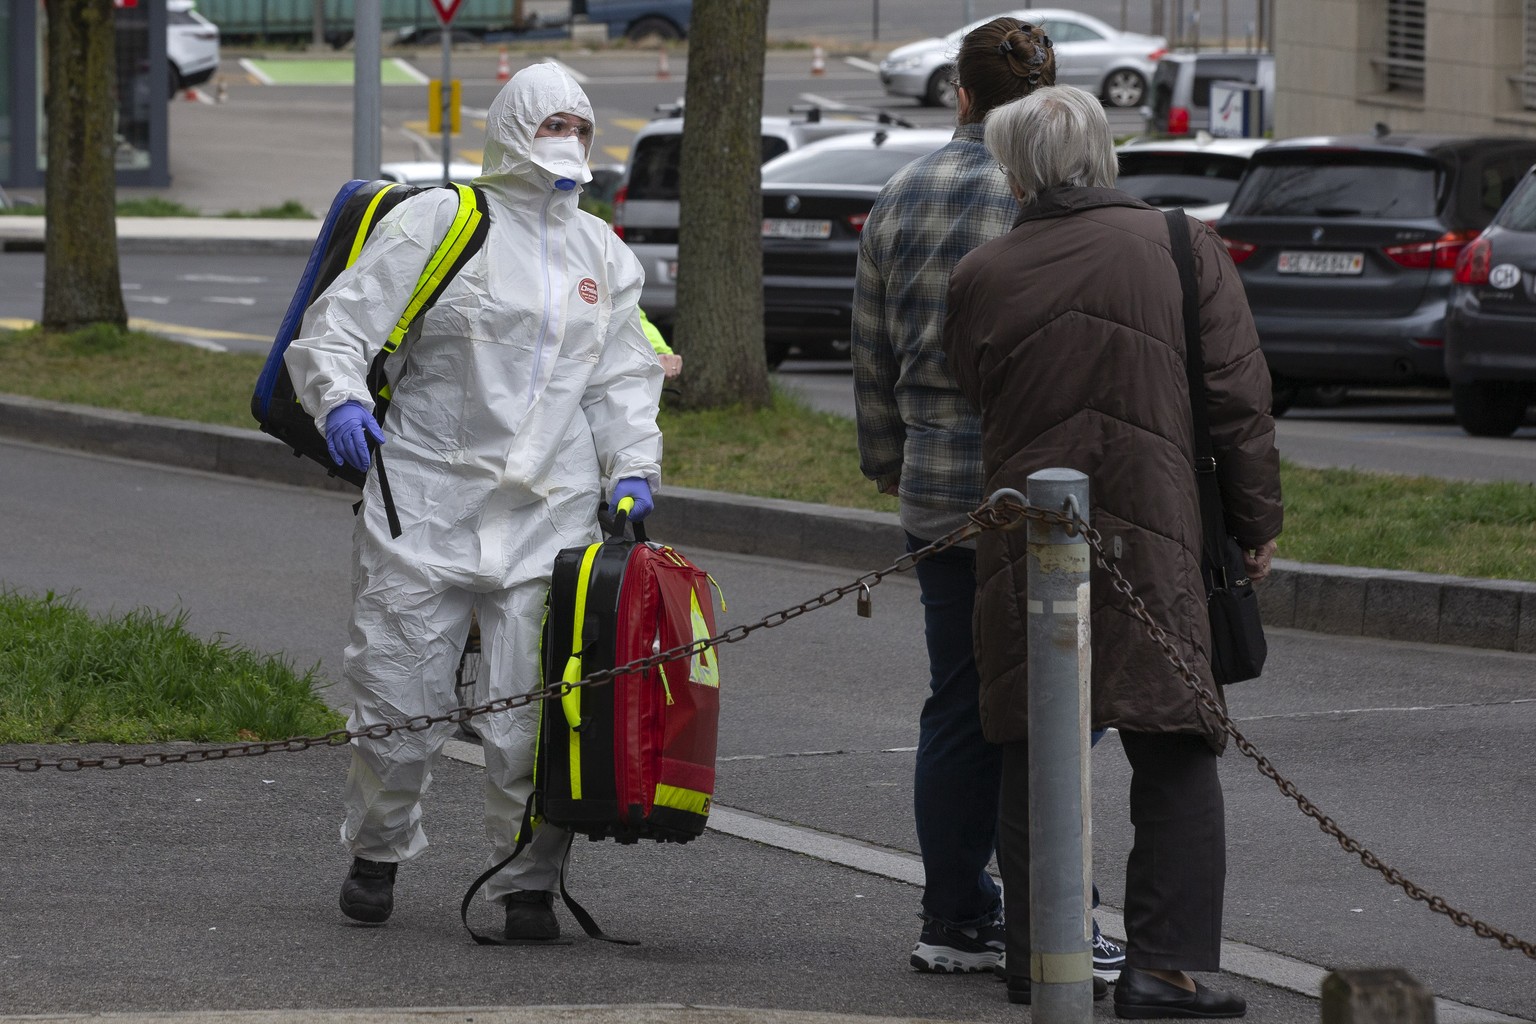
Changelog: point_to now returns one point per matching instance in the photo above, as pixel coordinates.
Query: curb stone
(1334, 599)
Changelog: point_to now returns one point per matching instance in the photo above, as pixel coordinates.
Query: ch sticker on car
(1505, 275)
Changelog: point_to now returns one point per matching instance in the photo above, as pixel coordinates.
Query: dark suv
(1347, 246)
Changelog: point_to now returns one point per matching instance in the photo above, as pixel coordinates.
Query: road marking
(619, 153)
(220, 278)
(183, 331)
(1237, 958)
(632, 124)
(562, 65)
(251, 68)
(410, 70)
(154, 300)
(230, 300)
(862, 64)
(1390, 709)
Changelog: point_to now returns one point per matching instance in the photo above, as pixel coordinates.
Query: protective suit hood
(515, 114)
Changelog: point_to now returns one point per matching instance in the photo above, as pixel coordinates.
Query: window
(1527, 80)
(1404, 63)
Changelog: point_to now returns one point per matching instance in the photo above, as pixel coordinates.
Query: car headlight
(901, 63)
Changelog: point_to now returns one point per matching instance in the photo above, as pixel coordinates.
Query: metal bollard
(1060, 868)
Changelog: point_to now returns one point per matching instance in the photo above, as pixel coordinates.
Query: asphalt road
(213, 886)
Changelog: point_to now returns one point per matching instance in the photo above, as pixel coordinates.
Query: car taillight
(1239, 251)
(1157, 55)
(1440, 254)
(619, 198)
(1178, 121)
(1475, 260)
(856, 220)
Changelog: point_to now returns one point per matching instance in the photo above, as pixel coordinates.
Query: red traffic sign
(446, 9)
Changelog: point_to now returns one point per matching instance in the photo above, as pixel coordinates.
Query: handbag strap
(1212, 517)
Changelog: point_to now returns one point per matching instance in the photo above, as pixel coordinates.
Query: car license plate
(780, 227)
(1337, 263)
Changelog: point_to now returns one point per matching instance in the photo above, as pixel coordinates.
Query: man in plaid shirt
(919, 439)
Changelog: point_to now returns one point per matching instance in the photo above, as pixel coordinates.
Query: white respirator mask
(563, 160)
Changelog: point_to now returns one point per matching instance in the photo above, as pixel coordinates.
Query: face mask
(563, 160)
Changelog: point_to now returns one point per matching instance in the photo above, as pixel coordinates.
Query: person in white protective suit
(530, 386)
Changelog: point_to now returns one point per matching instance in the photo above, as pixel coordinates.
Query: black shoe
(368, 894)
(941, 949)
(1018, 989)
(1140, 996)
(531, 917)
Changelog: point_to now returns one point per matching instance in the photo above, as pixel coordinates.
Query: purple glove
(633, 487)
(347, 430)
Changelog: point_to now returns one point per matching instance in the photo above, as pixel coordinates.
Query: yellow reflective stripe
(465, 221)
(679, 799)
(570, 698)
(362, 229)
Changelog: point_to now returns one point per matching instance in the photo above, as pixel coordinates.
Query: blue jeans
(959, 774)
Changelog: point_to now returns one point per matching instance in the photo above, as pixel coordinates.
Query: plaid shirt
(913, 421)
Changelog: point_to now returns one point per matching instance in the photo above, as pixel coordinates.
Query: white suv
(191, 44)
(645, 212)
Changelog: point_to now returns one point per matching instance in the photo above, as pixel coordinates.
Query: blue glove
(347, 430)
(633, 487)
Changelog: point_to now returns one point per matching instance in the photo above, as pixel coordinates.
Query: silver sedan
(1113, 65)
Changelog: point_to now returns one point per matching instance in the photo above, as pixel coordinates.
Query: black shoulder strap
(1212, 518)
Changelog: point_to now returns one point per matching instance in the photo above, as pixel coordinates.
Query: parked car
(815, 202)
(645, 208)
(1113, 65)
(1347, 246)
(191, 45)
(1199, 173)
(1490, 332)
(427, 172)
(1181, 88)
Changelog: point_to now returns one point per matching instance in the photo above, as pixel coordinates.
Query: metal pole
(1060, 845)
(447, 93)
(367, 110)
(876, 22)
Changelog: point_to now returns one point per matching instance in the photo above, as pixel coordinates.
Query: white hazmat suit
(530, 384)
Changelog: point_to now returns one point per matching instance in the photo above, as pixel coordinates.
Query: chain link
(1002, 512)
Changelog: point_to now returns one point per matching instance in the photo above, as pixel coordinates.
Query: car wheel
(1490, 408)
(1125, 88)
(1282, 396)
(1323, 396)
(172, 80)
(661, 28)
(941, 88)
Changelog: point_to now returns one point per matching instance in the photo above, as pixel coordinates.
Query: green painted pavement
(339, 71)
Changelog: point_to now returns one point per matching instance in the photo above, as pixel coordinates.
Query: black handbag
(1237, 635)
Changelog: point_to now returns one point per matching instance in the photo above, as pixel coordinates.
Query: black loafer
(1018, 989)
(1140, 996)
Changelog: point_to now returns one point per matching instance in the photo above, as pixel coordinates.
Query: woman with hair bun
(919, 439)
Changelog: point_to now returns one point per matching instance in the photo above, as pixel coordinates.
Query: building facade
(1460, 66)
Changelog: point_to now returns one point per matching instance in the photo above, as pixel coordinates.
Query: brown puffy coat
(1067, 334)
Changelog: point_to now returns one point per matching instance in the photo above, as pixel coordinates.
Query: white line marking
(250, 68)
(154, 300)
(1035, 607)
(1063, 607)
(862, 64)
(220, 278)
(230, 300)
(583, 79)
(409, 70)
(1237, 958)
(1386, 710)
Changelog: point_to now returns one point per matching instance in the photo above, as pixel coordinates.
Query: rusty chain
(998, 513)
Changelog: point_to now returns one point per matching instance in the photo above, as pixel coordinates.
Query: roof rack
(813, 113)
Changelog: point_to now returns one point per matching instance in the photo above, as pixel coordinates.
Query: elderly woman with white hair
(1067, 334)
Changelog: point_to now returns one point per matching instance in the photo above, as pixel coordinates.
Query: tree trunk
(719, 326)
(81, 284)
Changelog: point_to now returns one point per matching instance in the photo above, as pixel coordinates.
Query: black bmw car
(1490, 330)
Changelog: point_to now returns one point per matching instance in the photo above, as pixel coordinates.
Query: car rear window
(863, 166)
(1519, 214)
(1180, 179)
(1342, 183)
(656, 159)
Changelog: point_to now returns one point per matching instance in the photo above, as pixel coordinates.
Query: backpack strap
(465, 236)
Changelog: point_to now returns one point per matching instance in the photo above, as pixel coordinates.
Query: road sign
(446, 9)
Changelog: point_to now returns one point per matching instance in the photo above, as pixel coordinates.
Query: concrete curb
(1339, 600)
(179, 235)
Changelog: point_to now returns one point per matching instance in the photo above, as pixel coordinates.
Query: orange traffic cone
(818, 61)
(662, 71)
(503, 66)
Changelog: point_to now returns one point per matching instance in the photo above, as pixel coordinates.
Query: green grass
(788, 451)
(66, 677)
